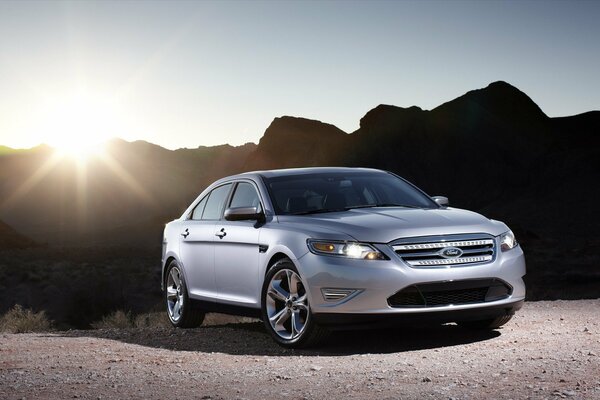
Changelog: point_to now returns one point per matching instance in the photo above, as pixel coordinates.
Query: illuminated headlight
(508, 241)
(345, 249)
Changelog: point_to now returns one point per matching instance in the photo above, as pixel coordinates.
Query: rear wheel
(492, 323)
(286, 310)
(180, 309)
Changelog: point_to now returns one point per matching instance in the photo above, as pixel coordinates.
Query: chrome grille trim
(440, 245)
(426, 252)
(460, 260)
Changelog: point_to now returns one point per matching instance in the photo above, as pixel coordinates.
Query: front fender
(274, 253)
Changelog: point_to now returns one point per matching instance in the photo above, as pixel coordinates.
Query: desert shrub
(224, 319)
(20, 320)
(152, 320)
(159, 319)
(116, 320)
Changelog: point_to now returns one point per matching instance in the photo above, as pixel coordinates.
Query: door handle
(221, 234)
(185, 233)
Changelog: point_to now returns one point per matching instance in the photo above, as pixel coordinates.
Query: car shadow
(253, 339)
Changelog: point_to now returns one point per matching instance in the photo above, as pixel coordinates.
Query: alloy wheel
(175, 290)
(287, 304)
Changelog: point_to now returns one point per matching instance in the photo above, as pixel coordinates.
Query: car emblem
(450, 252)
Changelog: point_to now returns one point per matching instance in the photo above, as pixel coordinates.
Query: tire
(182, 312)
(286, 313)
(493, 323)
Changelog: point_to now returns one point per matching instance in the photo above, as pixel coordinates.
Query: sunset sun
(77, 125)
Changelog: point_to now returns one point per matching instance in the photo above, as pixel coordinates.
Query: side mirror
(441, 200)
(243, 214)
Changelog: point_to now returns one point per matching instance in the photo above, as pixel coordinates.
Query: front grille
(439, 294)
(446, 251)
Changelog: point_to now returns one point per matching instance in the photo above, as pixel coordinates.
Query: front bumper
(375, 281)
(359, 321)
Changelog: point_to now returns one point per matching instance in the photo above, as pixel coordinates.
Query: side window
(197, 213)
(245, 196)
(216, 201)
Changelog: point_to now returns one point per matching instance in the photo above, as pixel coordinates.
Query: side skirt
(211, 306)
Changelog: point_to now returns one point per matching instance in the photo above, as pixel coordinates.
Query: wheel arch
(274, 258)
(169, 258)
(278, 254)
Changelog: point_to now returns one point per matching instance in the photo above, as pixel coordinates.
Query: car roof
(273, 173)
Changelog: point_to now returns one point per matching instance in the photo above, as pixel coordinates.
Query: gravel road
(549, 350)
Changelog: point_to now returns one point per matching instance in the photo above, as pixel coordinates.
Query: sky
(185, 74)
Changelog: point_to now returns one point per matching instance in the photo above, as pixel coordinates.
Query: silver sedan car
(312, 250)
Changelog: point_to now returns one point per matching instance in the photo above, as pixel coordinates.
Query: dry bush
(152, 320)
(116, 320)
(224, 319)
(158, 319)
(20, 320)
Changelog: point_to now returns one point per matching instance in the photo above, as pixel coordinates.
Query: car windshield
(339, 191)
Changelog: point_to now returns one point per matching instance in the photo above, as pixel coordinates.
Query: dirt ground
(549, 350)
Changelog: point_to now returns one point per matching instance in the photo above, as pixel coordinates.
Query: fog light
(330, 294)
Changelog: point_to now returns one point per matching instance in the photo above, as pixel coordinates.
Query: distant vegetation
(158, 319)
(125, 320)
(79, 286)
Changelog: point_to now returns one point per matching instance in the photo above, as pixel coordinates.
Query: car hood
(383, 225)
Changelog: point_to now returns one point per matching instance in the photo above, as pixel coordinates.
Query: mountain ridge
(488, 94)
(474, 139)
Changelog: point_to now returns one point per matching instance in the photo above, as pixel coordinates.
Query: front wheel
(285, 308)
(180, 309)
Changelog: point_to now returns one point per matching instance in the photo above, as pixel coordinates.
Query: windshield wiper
(320, 211)
(383, 205)
(327, 210)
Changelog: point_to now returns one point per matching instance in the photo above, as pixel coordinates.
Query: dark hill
(578, 131)
(132, 185)
(388, 119)
(11, 239)
(499, 100)
(297, 142)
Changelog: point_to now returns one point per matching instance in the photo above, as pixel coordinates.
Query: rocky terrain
(550, 350)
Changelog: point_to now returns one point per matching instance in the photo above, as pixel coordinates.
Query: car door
(237, 251)
(197, 244)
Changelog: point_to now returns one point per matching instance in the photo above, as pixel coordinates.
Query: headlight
(345, 249)
(508, 241)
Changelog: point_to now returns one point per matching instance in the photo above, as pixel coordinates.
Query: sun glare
(78, 125)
